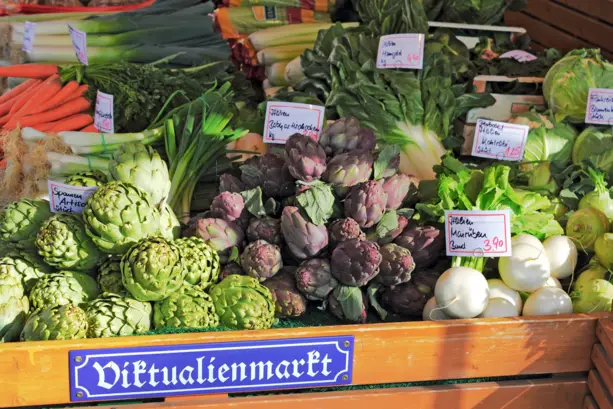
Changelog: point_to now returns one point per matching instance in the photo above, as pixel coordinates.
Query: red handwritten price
(494, 244)
(411, 58)
(510, 152)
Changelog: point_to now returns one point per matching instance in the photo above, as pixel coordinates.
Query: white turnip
(498, 308)
(526, 239)
(561, 252)
(462, 292)
(527, 269)
(498, 289)
(432, 312)
(548, 301)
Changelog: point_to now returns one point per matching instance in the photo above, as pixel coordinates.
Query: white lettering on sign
(283, 119)
(401, 51)
(500, 140)
(79, 43)
(478, 233)
(599, 109)
(67, 198)
(29, 30)
(519, 55)
(103, 117)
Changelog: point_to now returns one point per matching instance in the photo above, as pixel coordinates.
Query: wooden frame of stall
(575, 349)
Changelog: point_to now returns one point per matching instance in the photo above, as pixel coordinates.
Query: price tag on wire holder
(500, 140)
(401, 51)
(478, 233)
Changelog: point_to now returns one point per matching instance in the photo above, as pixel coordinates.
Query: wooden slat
(604, 331)
(599, 392)
(384, 353)
(578, 24)
(603, 366)
(589, 403)
(539, 394)
(602, 9)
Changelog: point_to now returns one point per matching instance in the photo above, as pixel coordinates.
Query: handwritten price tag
(599, 106)
(478, 233)
(401, 51)
(519, 55)
(67, 198)
(283, 119)
(29, 29)
(103, 117)
(79, 43)
(500, 140)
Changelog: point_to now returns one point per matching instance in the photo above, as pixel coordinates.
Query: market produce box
(477, 32)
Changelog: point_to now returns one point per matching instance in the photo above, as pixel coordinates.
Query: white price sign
(283, 119)
(29, 30)
(478, 233)
(401, 51)
(79, 43)
(519, 55)
(599, 108)
(103, 117)
(67, 198)
(500, 140)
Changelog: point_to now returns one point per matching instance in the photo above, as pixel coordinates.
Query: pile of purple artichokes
(327, 223)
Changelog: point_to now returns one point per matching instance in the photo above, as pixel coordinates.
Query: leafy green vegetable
(317, 202)
(387, 224)
(596, 145)
(486, 12)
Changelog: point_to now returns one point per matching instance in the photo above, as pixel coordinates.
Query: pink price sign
(401, 51)
(485, 233)
(599, 108)
(499, 140)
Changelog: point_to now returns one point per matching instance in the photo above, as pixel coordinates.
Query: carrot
(18, 90)
(72, 123)
(90, 128)
(29, 70)
(78, 93)
(70, 108)
(58, 98)
(20, 102)
(49, 88)
(44, 127)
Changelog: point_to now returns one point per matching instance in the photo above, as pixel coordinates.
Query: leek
(270, 37)
(68, 164)
(275, 74)
(293, 71)
(272, 55)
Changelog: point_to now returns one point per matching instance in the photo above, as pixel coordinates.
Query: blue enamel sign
(229, 367)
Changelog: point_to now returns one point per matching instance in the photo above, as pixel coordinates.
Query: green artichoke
(303, 238)
(21, 220)
(117, 215)
(349, 169)
(170, 227)
(189, 307)
(265, 228)
(289, 302)
(61, 288)
(221, 235)
(109, 277)
(63, 322)
(152, 269)
(63, 243)
(141, 166)
(200, 261)
(314, 279)
(396, 265)
(261, 260)
(93, 178)
(346, 135)
(241, 302)
(366, 203)
(305, 158)
(111, 315)
(355, 262)
(14, 306)
(29, 266)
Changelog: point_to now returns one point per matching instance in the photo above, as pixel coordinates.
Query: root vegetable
(562, 255)
(432, 312)
(498, 289)
(498, 308)
(527, 239)
(527, 269)
(462, 292)
(548, 301)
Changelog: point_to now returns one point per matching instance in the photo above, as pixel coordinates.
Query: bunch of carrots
(42, 102)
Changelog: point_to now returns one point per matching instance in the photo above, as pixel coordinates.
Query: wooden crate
(567, 24)
(600, 378)
(37, 373)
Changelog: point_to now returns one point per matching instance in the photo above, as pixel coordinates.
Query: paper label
(401, 51)
(519, 55)
(478, 233)
(283, 119)
(500, 140)
(79, 43)
(599, 109)
(67, 198)
(103, 117)
(28, 36)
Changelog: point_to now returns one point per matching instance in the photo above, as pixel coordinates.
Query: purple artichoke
(289, 302)
(392, 167)
(366, 202)
(266, 228)
(397, 188)
(276, 181)
(348, 304)
(230, 183)
(396, 265)
(229, 269)
(306, 159)
(261, 260)
(346, 135)
(303, 238)
(314, 279)
(251, 175)
(409, 299)
(220, 235)
(344, 229)
(391, 236)
(424, 242)
(230, 207)
(355, 262)
(349, 169)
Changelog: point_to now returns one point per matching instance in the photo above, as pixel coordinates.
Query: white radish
(498, 308)
(527, 239)
(548, 301)
(462, 292)
(527, 269)
(432, 312)
(562, 255)
(498, 289)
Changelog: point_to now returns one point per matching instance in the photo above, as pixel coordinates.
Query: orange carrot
(18, 90)
(44, 127)
(70, 108)
(90, 128)
(78, 93)
(49, 88)
(29, 70)
(20, 102)
(72, 123)
(6, 106)
(57, 99)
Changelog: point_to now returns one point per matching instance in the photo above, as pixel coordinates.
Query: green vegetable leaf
(351, 301)
(387, 154)
(271, 207)
(387, 224)
(372, 291)
(317, 203)
(406, 213)
(253, 202)
(235, 255)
